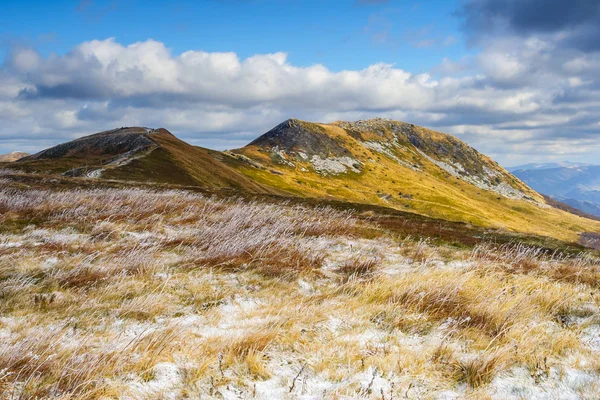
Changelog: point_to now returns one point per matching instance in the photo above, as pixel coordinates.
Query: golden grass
(112, 293)
(481, 369)
(359, 267)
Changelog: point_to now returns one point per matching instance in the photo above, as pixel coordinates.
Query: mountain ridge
(142, 154)
(403, 166)
(384, 138)
(378, 161)
(543, 166)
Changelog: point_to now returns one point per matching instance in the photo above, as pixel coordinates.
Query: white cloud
(513, 91)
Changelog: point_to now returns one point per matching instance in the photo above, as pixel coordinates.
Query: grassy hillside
(139, 154)
(376, 162)
(175, 161)
(405, 167)
(133, 293)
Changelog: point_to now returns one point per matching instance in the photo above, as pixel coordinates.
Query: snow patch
(165, 383)
(306, 288)
(517, 383)
(97, 173)
(6, 243)
(591, 338)
(65, 236)
(235, 320)
(49, 263)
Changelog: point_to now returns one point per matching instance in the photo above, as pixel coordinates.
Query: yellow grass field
(128, 293)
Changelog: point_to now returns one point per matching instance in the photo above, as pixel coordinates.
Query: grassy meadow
(156, 293)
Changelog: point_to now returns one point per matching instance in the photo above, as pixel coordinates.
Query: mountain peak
(367, 122)
(344, 147)
(293, 135)
(102, 144)
(139, 154)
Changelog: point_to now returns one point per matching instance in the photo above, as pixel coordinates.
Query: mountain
(346, 148)
(373, 162)
(402, 166)
(11, 157)
(542, 166)
(139, 154)
(577, 185)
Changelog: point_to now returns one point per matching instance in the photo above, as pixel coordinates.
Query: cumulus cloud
(514, 98)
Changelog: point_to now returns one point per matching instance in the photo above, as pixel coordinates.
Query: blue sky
(517, 79)
(341, 34)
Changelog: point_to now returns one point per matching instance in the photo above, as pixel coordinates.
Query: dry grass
(359, 267)
(479, 370)
(522, 259)
(167, 294)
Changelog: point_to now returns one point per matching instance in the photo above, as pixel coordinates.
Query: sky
(516, 79)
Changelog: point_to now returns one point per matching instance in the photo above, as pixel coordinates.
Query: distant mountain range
(575, 184)
(376, 162)
(540, 166)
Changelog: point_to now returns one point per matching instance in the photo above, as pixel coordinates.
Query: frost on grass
(137, 294)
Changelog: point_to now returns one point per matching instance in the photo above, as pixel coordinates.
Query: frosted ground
(142, 294)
